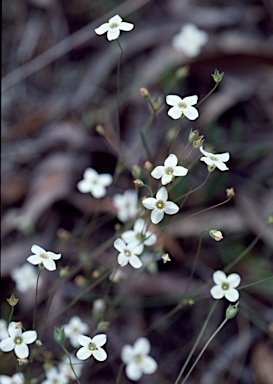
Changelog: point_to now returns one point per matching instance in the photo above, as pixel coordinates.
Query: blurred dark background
(58, 83)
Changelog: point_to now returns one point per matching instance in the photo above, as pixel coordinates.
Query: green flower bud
(198, 143)
(156, 104)
(59, 335)
(182, 72)
(193, 135)
(217, 76)
(232, 311)
(103, 325)
(64, 272)
(270, 219)
(12, 300)
(136, 171)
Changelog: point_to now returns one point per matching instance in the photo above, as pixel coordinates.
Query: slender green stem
(205, 98)
(177, 133)
(118, 89)
(119, 373)
(36, 299)
(145, 145)
(256, 282)
(204, 348)
(70, 362)
(195, 189)
(11, 314)
(196, 342)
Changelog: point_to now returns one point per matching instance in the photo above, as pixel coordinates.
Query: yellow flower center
(92, 346)
(44, 255)
(182, 105)
(113, 25)
(138, 358)
(160, 205)
(127, 253)
(18, 340)
(225, 286)
(169, 171)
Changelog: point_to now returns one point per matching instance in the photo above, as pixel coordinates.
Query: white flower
(18, 341)
(99, 305)
(126, 205)
(53, 376)
(128, 253)
(160, 205)
(225, 286)
(25, 277)
(17, 378)
(139, 234)
(94, 183)
(190, 40)
(43, 257)
(65, 367)
(169, 170)
(113, 28)
(137, 360)
(182, 107)
(92, 347)
(74, 328)
(217, 160)
(3, 329)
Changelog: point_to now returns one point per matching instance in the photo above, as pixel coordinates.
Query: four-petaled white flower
(160, 205)
(113, 28)
(190, 40)
(128, 253)
(215, 160)
(137, 359)
(94, 183)
(25, 277)
(182, 107)
(225, 286)
(43, 257)
(139, 234)
(126, 205)
(53, 376)
(169, 170)
(74, 328)
(18, 341)
(17, 378)
(92, 347)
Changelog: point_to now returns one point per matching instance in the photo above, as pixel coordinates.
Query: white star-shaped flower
(126, 205)
(74, 328)
(137, 359)
(128, 253)
(54, 376)
(25, 277)
(18, 341)
(215, 160)
(139, 234)
(225, 286)
(43, 257)
(94, 183)
(92, 347)
(182, 107)
(190, 40)
(113, 28)
(160, 205)
(17, 378)
(169, 170)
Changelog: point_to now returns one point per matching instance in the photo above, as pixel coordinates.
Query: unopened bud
(138, 183)
(103, 325)
(171, 134)
(230, 192)
(157, 104)
(216, 235)
(18, 325)
(12, 300)
(22, 361)
(148, 165)
(211, 168)
(38, 343)
(59, 335)
(144, 93)
(232, 311)
(136, 171)
(217, 76)
(64, 272)
(270, 219)
(63, 234)
(193, 136)
(100, 130)
(182, 72)
(198, 143)
(80, 281)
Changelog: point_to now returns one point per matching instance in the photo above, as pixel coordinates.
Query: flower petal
(175, 113)
(234, 280)
(133, 372)
(84, 340)
(7, 345)
(166, 179)
(119, 244)
(122, 259)
(98, 191)
(142, 346)
(49, 264)
(140, 226)
(100, 339)
(83, 186)
(13, 331)
(171, 208)
(34, 259)
(232, 295)
(207, 160)
(149, 203)
(157, 216)
(37, 250)
(113, 34)
(162, 194)
(21, 350)
(150, 238)
(219, 277)
(173, 100)
(126, 26)
(83, 353)
(158, 172)
(191, 113)
(115, 20)
(100, 354)
(201, 149)
(105, 179)
(149, 365)
(102, 29)
(190, 100)
(54, 256)
(180, 171)
(221, 166)
(171, 161)
(217, 292)
(29, 336)
(223, 156)
(129, 236)
(127, 353)
(135, 261)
